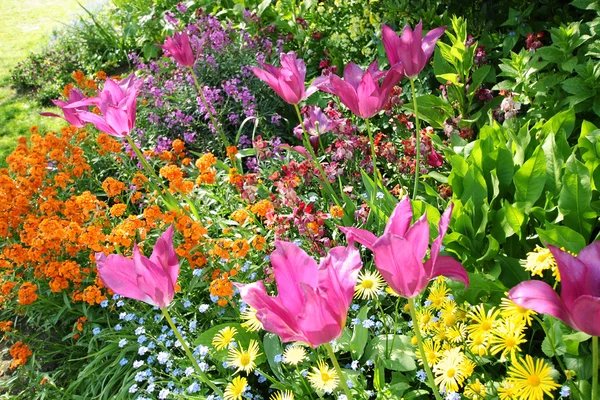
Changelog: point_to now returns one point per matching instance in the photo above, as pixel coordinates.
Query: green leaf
(562, 236)
(563, 120)
(553, 344)
(575, 197)
(554, 164)
(530, 180)
(432, 109)
(515, 217)
(360, 335)
(482, 288)
(272, 347)
(402, 356)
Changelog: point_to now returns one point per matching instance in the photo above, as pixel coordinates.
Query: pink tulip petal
(430, 40)
(395, 260)
(353, 75)
(346, 93)
(573, 275)
(590, 256)
(271, 312)
(437, 243)
(362, 236)
(165, 256)
(337, 278)
(540, 297)
(266, 77)
(117, 273)
(318, 323)
(98, 122)
(368, 96)
(586, 314)
(400, 219)
(391, 43)
(418, 236)
(117, 119)
(316, 84)
(291, 266)
(152, 279)
(448, 267)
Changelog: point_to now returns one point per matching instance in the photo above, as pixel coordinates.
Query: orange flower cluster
(240, 216)
(79, 323)
(19, 352)
(207, 174)
(231, 152)
(108, 145)
(235, 178)
(221, 286)
(93, 295)
(6, 326)
(112, 187)
(27, 293)
(262, 208)
(336, 212)
(175, 176)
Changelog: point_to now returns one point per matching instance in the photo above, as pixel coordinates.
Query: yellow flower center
(245, 359)
(486, 326)
(450, 373)
(325, 377)
(534, 380)
(367, 284)
(510, 342)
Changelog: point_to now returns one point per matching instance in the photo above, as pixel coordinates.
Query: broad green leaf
(563, 120)
(272, 347)
(530, 180)
(554, 164)
(562, 236)
(575, 197)
(360, 335)
(432, 109)
(515, 217)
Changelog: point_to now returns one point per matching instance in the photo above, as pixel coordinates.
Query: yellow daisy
(457, 333)
(467, 367)
(531, 378)
(475, 390)
(244, 360)
(449, 314)
(510, 310)
(391, 292)
(368, 285)
(294, 355)
(224, 337)
(506, 338)
(540, 260)
(432, 352)
(323, 378)
(507, 390)
(438, 293)
(235, 389)
(251, 323)
(482, 322)
(448, 375)
(479, 344)
(287, 395)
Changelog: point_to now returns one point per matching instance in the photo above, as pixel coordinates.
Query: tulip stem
(308, 146)
(595, 368)
(339, 371)
(413, 314)
(213, 120)
(376, 173)
(418, 139)
(185, 347)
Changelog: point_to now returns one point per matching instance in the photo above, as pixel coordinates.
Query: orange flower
(240, 248)
(336, 212)
(206, 162)
(112, 187)
(222, 247)
(178, 145)
(101, 75)
(79, 77)
(67, 90)
(118, 210)
(234, 177)
(208, 177)
(27, 293)
(262, 208)
(19, 352)
(6, 326)
(240, 216)
(92, 295)
(232, 151)
(79, 323)
(259, 242)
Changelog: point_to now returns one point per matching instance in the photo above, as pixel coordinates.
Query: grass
(25, 26)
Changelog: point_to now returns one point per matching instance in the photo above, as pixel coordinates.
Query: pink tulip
(399, 252)
(288, 81)
(360, 90)
(316, 123)
(151, 280)
(579, 302)
(180, 49)
(410, 49)
(312, 302)
(71, 115)
(117, 103)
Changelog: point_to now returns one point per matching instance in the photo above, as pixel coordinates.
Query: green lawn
(25, 26)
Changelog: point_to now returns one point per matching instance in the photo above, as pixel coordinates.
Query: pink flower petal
(400, 219)
(540, 297)
(586, 314)
(165, 256)
(153, 280)
(117, 273)
(346, 93)
(448, 267)
(573, 276)
(317, 321)
(418, 236)
(391, 43)
(590, 256)
(362, 236)
(430, 40)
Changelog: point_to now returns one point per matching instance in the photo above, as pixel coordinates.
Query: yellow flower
(425, 318)
(235, 389)
(540, 260)
(369, 284)
(438, 293)
(449, 314)
(224, 337)
(475, 390)
(482, 322)
(251, 323)
(294, 355)
(531, 378)
(457, 333)
(391, 292)
(449, 376)
(467, 367)
(323, 378)
(432, 352)
(287, 395)
(479, 344)
(506, 338)
(510, 310)
(507, 391)
(244, 359)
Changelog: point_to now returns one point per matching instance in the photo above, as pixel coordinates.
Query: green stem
(185, 347)
(308, 146)
(418, 139)
(213, 120)
(595, 368)
(413, 314)
(394, 333)
(339, 371)
(376, 173)
(303, 379)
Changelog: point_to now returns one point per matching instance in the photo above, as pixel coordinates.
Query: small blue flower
(197, 272)
(142, 339)
(193, 388)
(421, 375)
(252, 276)
(565, 391)
(203, 308)
(137, 364)
(368, 323)
(267, 258)
(123, 361)
(427, 303)
(453, 396)
(214, 298)
(96, 331)
(129, 317)
(262, 379)
(116, 297)
(278, 358)
(104, 304)
(141, 321)
(512, 33)
(187, 303)
(355, 307)
(120, 303)
(355, 321)
(133, 388)
(122, 343)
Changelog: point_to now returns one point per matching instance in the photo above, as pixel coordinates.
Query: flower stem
(376, 173)
(413, 314)
(595, 368)
(339, 371)
(213, 120)
(185, 347)
(308, 146)
(418, 139)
